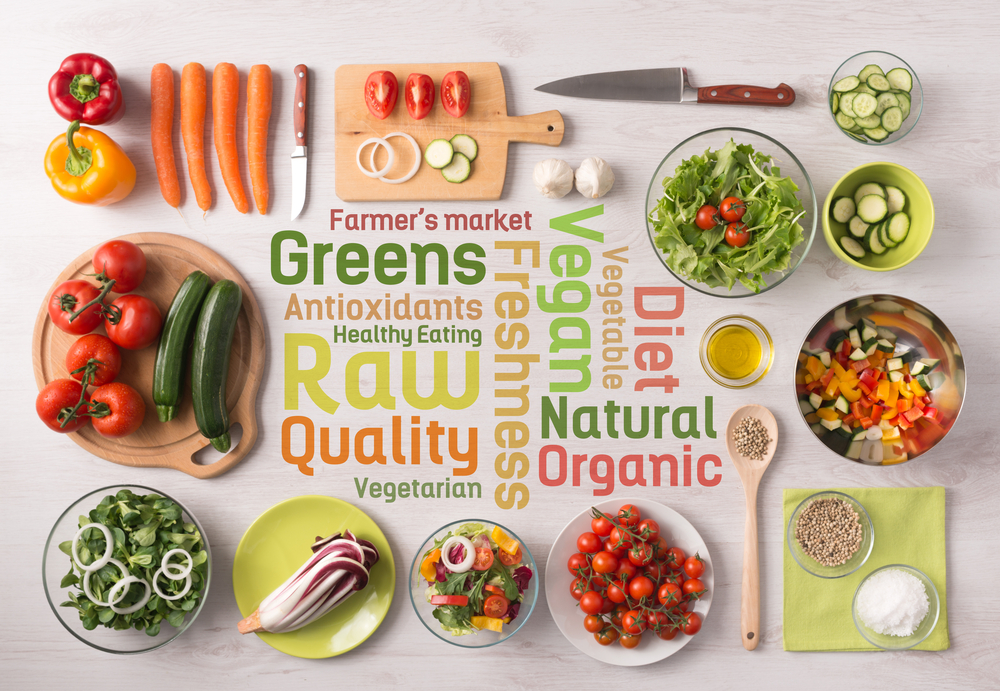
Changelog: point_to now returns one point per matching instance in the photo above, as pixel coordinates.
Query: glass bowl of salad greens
(159, 549)
(731, 212)
(473, 583)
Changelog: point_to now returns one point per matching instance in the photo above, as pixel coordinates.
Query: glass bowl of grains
(896, 607)
(830, 534)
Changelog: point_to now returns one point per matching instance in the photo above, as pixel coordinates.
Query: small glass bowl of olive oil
(736, 352)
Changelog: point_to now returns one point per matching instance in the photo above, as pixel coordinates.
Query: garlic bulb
(594, 178)
(553, 178)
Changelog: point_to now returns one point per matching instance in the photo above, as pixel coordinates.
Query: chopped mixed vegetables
(477, 579)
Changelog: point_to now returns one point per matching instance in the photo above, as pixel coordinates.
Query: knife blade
(664, 85)
(300, 158)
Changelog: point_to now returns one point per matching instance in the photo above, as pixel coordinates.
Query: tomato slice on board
(381, 92)
(495, 606)
(419, 95)
(459, 600)
(484, 559)
(456, 92)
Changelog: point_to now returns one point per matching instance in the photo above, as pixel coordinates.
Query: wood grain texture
(300, 104)
(743, 95)
(954, 148)
(174, 444)
(486, 121)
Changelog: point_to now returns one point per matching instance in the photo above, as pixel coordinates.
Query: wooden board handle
(299, 112)
(740, 94)
(541, 128)
(247, 419)
(750, 607)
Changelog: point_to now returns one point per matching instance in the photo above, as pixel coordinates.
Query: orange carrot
(161, 92)
(193, 97)
(225, 96)
(258, 115)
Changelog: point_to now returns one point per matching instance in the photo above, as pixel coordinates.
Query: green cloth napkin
(909, 529)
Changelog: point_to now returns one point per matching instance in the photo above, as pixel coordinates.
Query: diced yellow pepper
(427, 568)
(890, 401)
(916, 388)
(491, 623)
(851, 393)
(827, 413)
(850, 375)
(505, 541)
(882, 390)
(904, 390)
(815, 367)
(812, 418)
(838, 370)
(800, 377)
(809, 379)
(832, 387)
(889, 413)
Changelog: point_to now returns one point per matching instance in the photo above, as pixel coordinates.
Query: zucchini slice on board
(439, 153)
(466, 145)
(458, 170)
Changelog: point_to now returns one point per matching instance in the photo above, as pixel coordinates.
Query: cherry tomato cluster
(730, 212)
(629, 581)
(133, 322)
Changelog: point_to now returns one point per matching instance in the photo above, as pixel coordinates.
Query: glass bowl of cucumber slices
(875, 98)
(879, 217)
(880, 380)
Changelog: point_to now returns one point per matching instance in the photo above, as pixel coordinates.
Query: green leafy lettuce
(772, 216)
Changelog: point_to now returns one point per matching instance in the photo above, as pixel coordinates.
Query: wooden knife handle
(299, 114)
(741, 94)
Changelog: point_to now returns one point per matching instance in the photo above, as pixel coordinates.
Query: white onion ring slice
(378, 141)
(168, 569)
(89, 593)
(416, 155)
(110, 541)
(187, 584)
(470, 554)
(123, 585)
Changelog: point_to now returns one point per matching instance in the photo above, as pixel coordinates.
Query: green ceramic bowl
(919, 206)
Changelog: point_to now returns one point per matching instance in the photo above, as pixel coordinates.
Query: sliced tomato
(456, 93)
(381, 92)
(419, 95)
(495, 606)
(484, 559)
(510, 559)
(495, 589)
(459, 600)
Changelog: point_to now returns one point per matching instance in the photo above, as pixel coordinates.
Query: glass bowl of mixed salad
(138, 590)
(880, 380)
(473, 583)
(731, 212)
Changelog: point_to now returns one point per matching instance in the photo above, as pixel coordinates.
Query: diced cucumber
(464, 144)
(857, 355)
(840, 319)
(458, 170)
(917, 368)
(900, 78)
(892, 119)
(843, 431)
(908, 356)
(864, 105)
(859, 433)
(898, 227)
(831, 424)
(924, 383)
(824, 357)
(854, 450)
(439, 153)
(842, 405)
(868, 330)
(869, 70)
(886, 100)
(828, 404)
(857, 226)
(893, 364)
(846, 84)
(872, 208)
(895, 199)
(883, 346)
(876, 134)
(815, 400)
(855, 337)
(896, 376)
(930, 363)
(835, 339)
(870, 121)
(842, 209)
(871, 348)
(868, 343)
(804, 406)
(879, 82)
(866, 189)
(818, 429)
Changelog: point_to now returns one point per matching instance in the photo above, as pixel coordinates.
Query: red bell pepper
(867, 422)
(912, 414)
(825, 379)
(86, 88)
(458, 600)
(876, 414)
(860, 365)
(932, 414)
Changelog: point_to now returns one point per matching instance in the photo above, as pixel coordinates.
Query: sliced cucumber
(885, 101)
(895, 199)
(864, 105)
(898, 227)
(459, 168)
(869, 70)
(853, 248)
(893, 364)
(855, 336)
(869, 121)
(464, 144)
(815, 400)
(876, 133)
(857, 226)
(904, 104)
(846, 84)
(883, 235)
(863, 89)
(847, 104)
(439, 153)
(842, 209)
(900, 78)
(846, 122)
(872, 208)
(854, 135)
(892, 119)
(879, 82)
(834, 102)
(872, 241)
(866, 189)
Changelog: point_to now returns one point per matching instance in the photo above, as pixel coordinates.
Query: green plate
(278, 543)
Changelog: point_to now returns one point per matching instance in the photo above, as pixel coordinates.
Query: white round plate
(676, 531)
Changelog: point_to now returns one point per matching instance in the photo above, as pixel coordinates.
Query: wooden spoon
(751, 472)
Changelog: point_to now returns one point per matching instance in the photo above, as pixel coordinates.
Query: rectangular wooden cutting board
(486, 121)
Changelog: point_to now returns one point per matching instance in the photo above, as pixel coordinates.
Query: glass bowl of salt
(896, 607)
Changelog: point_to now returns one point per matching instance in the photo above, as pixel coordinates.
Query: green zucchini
(178, 328)
(213, 339)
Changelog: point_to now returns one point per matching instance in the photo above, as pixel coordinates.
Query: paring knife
(299, 154)
(665, 85)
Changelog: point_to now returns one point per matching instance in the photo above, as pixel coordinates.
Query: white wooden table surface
(954, 148)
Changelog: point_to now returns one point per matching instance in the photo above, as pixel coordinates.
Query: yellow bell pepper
(491, 623)
(827, 414)
(916, 388)
(904, 390)
(851, 393)
(889, 413)
(815, 367)
(893, 396)
(882, 390)
(839, 371)
(505, 541)
(86, 166)
(832, 387)
(427, 568)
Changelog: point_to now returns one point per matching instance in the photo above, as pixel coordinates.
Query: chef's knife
(665, 85)
(299, 157)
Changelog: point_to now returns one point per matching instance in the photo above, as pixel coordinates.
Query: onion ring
(416, 155)
(168, 569)
(107, 552)
(378, 141)
(89, 593)
(187, 584)
(470, 554)
(124, 584)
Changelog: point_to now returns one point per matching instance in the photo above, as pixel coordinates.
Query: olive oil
(734, 352)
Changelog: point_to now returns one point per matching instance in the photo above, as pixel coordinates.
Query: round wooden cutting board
(174, 444)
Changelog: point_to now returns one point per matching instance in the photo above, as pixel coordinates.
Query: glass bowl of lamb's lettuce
(512, 577)
(780, 212)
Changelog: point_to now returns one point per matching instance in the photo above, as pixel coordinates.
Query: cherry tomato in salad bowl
(693, 588)
(381, 92)
(617, 592)
(97, 355)
(508, 559)
(648, 529)
(122, 261)
(496, 606)
(58, 396)
(640, 554)
(138, 325)
(669, 595)
(577, 588)
(675, 558)
(456, 93)
(732, 209)
(626, 570)
(483, 560)
(70, 296)
(667, 633)
(705, 218)
(737, 234)
(640, 587)
(419, 95)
